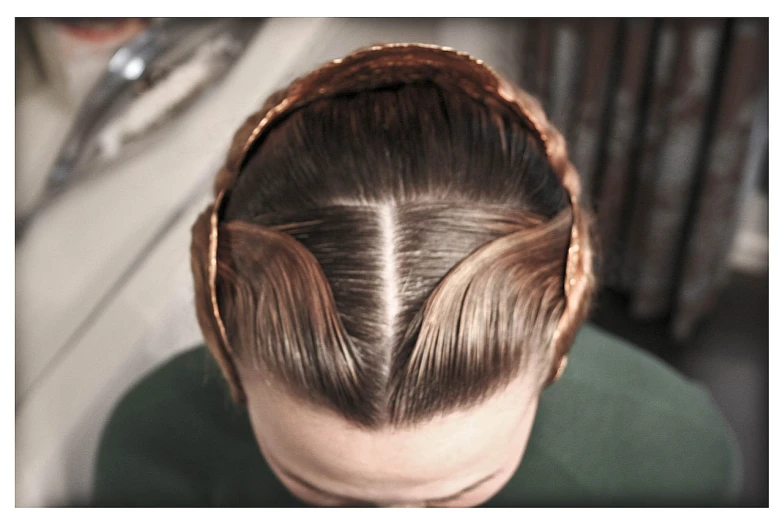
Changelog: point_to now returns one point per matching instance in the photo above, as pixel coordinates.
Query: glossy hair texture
(393, 255)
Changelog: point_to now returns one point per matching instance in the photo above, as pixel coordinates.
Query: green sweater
(618, 429)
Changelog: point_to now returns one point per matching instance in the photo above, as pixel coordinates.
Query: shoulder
(635, 431)
(147, 447)
(185, 391)
(184, 384)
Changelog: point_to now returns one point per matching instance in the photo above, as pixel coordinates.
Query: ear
(199, 263)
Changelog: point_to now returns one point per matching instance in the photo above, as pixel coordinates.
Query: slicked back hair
(394, 254)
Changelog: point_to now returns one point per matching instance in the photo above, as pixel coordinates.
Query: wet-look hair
(391, 253)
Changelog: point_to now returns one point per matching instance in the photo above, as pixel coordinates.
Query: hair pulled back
(393, 254)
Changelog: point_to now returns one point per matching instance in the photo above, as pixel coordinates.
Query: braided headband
(395, 64)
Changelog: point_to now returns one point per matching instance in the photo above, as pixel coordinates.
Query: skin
(461, 459)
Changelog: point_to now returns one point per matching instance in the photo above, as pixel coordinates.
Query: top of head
(401, 237)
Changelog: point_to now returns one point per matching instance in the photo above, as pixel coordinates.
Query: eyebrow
(303, 482)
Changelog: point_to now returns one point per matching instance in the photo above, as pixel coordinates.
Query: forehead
(325, 449)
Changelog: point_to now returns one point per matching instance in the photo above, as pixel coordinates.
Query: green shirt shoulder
(176, 439)
(621, 428)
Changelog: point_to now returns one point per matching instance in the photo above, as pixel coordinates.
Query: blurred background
(121, 125)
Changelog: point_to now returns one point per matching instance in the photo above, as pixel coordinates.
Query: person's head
(394, 268)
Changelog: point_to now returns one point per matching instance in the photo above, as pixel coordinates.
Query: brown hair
(392, 253)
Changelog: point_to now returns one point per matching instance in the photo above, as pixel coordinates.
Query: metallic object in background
(135, 69)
